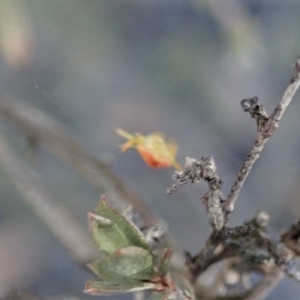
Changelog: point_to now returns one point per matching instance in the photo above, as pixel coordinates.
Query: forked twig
(263, 134)
(244, 241)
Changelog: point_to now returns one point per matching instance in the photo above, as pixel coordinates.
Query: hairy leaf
(131, 262)
(106, 234)
(111, 231)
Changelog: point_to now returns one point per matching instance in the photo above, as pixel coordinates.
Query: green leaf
(103, 287)
(107, 235)
(118, 234)
(131, 262)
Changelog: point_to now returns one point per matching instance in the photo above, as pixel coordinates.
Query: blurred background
(176, 66)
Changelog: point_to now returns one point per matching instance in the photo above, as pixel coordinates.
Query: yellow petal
(155, 149)
(124, 134)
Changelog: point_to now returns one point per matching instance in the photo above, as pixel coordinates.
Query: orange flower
(155, 149)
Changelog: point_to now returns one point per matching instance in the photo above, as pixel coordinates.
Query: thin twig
(266, 286)
(263, 134)
(55, 216)
(291, 237)
(45, 131)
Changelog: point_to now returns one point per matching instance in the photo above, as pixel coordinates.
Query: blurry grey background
(176, 66)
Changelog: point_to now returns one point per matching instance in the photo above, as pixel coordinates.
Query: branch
(42, 130)
(266, 127)
(266, 286)
(291, 237)
(218, 207)
(227, 243)
(249, 241)
(205, 170)
(55, 216)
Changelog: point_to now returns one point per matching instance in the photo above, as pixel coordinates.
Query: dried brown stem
(263, 134)
(55, 216)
